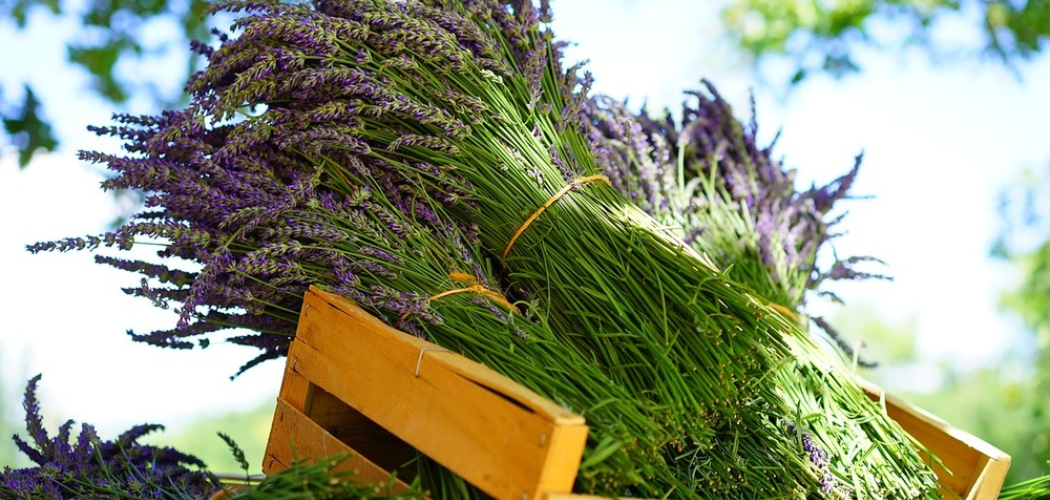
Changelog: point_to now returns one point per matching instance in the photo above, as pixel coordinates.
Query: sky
(939, 143)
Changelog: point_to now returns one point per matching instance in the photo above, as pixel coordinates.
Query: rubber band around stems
(561, 192)
(783, 310)
(474, 288)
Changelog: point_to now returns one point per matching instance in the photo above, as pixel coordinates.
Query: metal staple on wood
(419, 360)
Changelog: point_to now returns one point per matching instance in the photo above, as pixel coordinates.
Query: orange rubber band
(561, 192)
(474, 287)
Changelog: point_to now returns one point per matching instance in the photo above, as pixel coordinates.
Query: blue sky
(939, 143)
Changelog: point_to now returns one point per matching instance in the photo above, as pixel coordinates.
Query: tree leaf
(100, 61)
(798, 76)
(19, 11)
(28, 131)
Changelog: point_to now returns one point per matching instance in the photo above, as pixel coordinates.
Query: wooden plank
(362, 435)
(990, 482)
(297, 436)
(295, 388)
(970, 469)
(461, 365)
(497, 435)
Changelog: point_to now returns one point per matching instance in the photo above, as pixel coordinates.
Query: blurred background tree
(1025, 213)
(109, 36)
(823, 36)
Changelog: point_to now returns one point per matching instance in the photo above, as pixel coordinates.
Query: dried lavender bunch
(311, 479)
(466, 104)
(358, 234)
(355, 233)
(90, 468)
(731, 198)
(709, 160)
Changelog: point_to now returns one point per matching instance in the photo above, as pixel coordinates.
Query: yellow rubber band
(783, 310)
(561, 192)
(474, 288)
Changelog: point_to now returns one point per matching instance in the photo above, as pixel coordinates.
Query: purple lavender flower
(792, 224)
(726, 178)
(241, 197)
(89, 467)
(819, 459)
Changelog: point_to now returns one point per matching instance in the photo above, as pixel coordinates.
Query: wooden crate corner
(354, 384)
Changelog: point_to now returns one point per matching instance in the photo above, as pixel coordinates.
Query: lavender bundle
(90, 468)
(361, 236)
(731, 200)
(391, 150)
(321, 480)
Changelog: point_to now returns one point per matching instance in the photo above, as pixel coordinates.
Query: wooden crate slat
(459, 364)
(295, 435)
(295, 388)
(970, 469)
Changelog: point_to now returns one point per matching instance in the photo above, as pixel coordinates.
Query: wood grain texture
(466, 368)
(297, 436)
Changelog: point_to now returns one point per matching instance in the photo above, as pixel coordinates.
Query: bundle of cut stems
(1033, 489)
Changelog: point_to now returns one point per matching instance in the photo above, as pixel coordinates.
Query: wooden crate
(353, 384)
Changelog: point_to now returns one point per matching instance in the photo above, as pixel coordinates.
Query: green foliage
(19, 10)
(28, 130)
(822, 36)
(1025, 216)
(101, 61)
(110, 32)
(1033, 489)
(324, 480)
(250, 429)
(119, 26)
